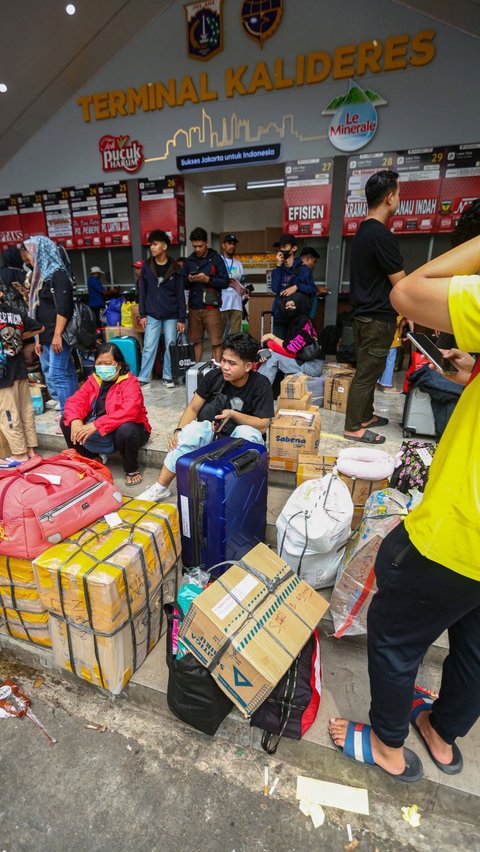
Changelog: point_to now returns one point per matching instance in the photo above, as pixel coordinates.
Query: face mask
(286, 254)
(290, 312)
(105, 372)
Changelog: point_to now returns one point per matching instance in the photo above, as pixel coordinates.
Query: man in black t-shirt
(376, 265)
(229, 400)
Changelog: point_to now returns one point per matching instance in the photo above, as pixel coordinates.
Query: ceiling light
(219, 187)
(265, 184)
(70, 9)
(3, 87)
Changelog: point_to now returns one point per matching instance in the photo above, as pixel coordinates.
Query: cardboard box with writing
(248, 626)
(302, 404)
(336, 392)
(122, 331)
(294, 386)
(292, 433)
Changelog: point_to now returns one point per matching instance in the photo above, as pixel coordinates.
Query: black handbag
(310, 352)
(182, 356)
(192, 694)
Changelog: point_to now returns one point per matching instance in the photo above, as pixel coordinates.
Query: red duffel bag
(44, 501)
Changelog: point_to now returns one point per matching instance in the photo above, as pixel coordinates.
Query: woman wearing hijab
(299, 351)
(51, 304)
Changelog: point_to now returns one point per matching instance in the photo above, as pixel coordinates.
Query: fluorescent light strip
(265, 184)
(219, 187)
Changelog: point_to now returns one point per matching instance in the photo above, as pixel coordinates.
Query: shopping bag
(182, 356)
(126, 313)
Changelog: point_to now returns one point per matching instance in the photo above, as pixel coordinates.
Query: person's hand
(406, 325)
(143, 322)
(85, 431)
(279, 258)
(38, 348)
(173, 441)
(289, 291)
(75, 427)
(181, 327)
(199, 278)
(57, 343)
(463, 361)
(220, 419)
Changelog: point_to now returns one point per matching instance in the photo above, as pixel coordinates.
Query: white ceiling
(47, 55)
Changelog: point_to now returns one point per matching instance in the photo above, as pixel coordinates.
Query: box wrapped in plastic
(22, 613)
(356, 584)
(102, 576)
(28, 626)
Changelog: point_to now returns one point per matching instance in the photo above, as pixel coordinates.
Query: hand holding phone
(432, 352)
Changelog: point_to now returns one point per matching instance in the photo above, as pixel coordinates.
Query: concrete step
(345, 693)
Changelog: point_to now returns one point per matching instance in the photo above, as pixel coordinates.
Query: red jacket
(123, 404)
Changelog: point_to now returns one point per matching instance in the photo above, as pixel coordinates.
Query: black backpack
(81, 329)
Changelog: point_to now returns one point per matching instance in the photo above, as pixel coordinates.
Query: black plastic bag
(192, 694)
(182, 356)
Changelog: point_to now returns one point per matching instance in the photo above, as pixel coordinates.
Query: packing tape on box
(271, 587)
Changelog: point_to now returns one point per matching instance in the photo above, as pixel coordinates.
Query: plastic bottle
(37, 399)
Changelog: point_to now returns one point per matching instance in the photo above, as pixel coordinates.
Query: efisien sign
(395, 53)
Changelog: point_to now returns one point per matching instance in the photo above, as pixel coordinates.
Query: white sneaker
(154, 493)
(145, 385)
(104, 458)
(168, 383)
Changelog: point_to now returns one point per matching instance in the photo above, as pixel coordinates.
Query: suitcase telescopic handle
(246, 462)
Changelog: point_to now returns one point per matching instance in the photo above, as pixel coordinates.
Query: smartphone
(432, 352)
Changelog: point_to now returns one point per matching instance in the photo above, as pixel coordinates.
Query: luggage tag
(113, 519)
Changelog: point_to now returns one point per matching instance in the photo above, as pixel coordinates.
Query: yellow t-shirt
(445, 527)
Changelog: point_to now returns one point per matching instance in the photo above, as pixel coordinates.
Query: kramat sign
(119, 152)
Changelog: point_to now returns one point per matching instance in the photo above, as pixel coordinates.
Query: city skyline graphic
(233, 130)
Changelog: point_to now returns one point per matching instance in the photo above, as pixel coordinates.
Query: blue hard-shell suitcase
(222, 501)
(130, 348)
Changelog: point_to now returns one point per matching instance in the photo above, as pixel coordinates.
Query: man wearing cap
(137, 266)
(231, 307)
(96, 299)
(289, 277)
(161, 306)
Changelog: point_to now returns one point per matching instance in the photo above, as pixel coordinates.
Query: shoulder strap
(270, 742)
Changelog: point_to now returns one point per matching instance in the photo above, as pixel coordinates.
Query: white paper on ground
(354, 799)
(314, 811)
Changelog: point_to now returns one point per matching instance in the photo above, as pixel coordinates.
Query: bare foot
(441, 750)
(31, 452)
(390, 759)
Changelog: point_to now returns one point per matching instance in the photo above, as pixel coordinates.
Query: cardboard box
(122, 331)
(292, 433)
(108, 661)
(302, 404)
(313, 467)
(294, 386)
(22, 624)
(336, 392)
(337, 369)
(136, 318)
(248, 635)
(100, 577)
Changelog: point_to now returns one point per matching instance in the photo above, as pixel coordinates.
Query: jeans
(59, 371)
(196, 435)
(289, 365)
(386, 379)
(153, 331)
(128, 439)
(417, 599)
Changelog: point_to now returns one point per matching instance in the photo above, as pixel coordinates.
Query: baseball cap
(97, 269)
(230, 238)
(286, 240)
(138, 264)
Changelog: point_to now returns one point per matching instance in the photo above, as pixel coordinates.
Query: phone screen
(432, 352)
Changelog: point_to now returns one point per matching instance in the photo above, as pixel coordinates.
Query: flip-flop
(368, 437)
(11, 463)
(379, 421)
(357, 748)
(422, 700)
(132, 484)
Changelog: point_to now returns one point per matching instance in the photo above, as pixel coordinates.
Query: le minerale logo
(354, 117)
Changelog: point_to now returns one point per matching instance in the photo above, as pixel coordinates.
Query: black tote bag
(182, 356)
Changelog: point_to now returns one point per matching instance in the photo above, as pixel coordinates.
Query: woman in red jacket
(108, 413)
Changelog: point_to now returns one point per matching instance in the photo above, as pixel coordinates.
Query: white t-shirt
(231, 300)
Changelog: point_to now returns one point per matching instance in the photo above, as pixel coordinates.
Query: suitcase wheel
(409, 433)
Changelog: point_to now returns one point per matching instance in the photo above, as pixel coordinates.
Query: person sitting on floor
(299, 351)
(231, 400)
(108, 413)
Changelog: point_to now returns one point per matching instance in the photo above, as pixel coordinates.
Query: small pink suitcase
(43, 501)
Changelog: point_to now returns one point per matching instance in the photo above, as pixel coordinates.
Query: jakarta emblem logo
(204, 28)
(354, 117)
(261, 18)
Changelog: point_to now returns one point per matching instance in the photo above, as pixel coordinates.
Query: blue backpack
(113, 311)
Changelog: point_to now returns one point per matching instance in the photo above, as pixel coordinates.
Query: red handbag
(43, 501)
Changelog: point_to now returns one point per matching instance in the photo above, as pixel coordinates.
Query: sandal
(132, 479)
(377, 421)
(422, 700)
(368, 437)
(357, 748)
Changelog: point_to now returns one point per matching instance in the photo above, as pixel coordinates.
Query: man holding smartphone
(290, 276)
(205, 276)
(376, 266)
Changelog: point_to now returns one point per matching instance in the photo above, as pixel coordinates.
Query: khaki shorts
(205, 319)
